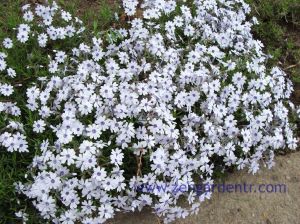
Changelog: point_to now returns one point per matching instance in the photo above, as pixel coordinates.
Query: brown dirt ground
(245, 208)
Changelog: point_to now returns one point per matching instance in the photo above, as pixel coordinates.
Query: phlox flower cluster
(130, 6)
(184, 91)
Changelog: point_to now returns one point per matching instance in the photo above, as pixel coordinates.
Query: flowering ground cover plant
(178, 95)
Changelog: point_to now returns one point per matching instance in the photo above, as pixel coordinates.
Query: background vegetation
(279, 30)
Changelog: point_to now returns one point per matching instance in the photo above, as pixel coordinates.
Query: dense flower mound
(181, 93)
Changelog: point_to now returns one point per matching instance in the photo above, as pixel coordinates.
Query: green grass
(96, 15)
(279, 30)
